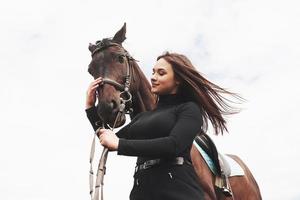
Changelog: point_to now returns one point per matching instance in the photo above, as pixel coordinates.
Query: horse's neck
(144, 100)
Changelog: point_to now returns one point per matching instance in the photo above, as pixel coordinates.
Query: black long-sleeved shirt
(165, 132)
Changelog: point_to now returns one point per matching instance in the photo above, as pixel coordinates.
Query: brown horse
(125, 85)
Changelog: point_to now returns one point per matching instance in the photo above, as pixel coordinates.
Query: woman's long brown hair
(209, 96)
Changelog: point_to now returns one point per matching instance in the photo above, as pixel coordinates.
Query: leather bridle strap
(94, 191)
(114, 83)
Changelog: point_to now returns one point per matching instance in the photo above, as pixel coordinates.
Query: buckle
(179, 161)
(142, 166)
(227, 192)
(146, 165)
(150, 163)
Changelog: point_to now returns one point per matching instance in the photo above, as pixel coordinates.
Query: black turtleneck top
(165, 132)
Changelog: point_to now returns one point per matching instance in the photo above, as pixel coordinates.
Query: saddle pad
(207, 159)
(236, 169)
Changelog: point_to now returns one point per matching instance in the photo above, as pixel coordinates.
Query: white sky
(250, 47)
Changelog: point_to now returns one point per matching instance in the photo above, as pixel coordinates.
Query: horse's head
(112, 62)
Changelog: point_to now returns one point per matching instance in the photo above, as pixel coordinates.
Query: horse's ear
(92, 47)
(120, 35)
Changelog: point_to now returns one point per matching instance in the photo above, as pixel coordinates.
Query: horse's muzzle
(108, 112)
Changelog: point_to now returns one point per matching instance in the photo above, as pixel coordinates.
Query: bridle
(124, 107)
(124, 88)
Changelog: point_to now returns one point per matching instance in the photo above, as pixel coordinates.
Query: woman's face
(163, 78)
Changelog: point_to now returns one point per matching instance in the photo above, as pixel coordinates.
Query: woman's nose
(153, 78)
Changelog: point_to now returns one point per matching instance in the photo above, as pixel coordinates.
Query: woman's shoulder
(189, 106)
(138, 115)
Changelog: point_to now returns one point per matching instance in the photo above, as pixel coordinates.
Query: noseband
(123, 88)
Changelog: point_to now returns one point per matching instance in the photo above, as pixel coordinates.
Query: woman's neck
(169, 99)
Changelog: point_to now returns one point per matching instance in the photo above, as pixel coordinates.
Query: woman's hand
(91, 92)
(108, 139)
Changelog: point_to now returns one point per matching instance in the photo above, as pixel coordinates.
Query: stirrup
(226, 191)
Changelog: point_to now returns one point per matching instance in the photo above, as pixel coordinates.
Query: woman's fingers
(91, 92)
(95, 84)
(101, 131)
(108, 139)
(101, 138)
(97, 81)
(93, 88)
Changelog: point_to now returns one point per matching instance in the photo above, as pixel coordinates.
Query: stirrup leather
(222, 183)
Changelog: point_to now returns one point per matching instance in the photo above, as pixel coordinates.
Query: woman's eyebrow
(159, 69)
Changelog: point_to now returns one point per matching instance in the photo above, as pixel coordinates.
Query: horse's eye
(120, 59)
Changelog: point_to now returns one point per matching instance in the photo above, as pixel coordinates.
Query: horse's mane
(143, 98)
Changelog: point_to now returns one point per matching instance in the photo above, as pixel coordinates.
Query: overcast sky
(250, 47)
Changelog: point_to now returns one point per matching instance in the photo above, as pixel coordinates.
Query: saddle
(216, 162)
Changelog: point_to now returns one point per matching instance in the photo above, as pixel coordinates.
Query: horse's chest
(154, 124)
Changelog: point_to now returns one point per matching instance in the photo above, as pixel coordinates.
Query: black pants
(166, 182)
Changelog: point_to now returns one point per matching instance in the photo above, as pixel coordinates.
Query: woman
(162, 138)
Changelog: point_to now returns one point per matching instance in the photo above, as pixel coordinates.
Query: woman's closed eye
(160, 72)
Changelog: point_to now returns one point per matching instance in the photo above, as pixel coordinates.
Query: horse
(126, 88)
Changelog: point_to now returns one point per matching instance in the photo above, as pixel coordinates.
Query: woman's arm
(91, 110)
(95, 121)
(93, 117)
(123, 132)
(188, 125)
(110, 140)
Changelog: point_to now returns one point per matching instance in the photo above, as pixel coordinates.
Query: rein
(94, 191)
